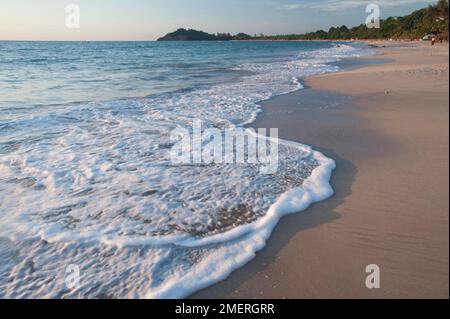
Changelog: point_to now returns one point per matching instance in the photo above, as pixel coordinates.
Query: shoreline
(372, 128)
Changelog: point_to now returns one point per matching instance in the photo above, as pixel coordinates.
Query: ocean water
(86, 178)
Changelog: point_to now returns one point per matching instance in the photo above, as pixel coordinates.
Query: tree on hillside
(442, 8)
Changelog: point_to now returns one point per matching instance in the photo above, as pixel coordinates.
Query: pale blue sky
(149, 19)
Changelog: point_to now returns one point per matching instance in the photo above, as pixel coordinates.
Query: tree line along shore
(432, 20)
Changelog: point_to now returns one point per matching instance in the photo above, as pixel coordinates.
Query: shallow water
(86, 177)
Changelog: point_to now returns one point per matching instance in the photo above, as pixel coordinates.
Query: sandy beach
(386, 125)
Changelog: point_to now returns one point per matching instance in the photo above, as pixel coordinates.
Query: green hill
(433, 19)
(194, 35)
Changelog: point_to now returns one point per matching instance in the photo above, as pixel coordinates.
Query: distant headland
(194, 35)
(430, 20)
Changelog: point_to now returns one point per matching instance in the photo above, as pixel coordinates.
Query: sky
(140, 20)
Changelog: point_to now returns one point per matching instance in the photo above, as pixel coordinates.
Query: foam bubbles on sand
(92, 185)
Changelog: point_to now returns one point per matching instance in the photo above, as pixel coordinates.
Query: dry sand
(390, 139)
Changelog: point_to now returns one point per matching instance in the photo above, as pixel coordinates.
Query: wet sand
(386, 125)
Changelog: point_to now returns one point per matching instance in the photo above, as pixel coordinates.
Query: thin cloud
(292, 6)
(342, 5)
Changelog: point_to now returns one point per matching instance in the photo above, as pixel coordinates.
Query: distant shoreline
(253, 40)
(420, 24)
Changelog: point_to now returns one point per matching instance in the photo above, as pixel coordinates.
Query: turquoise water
(41, 73)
